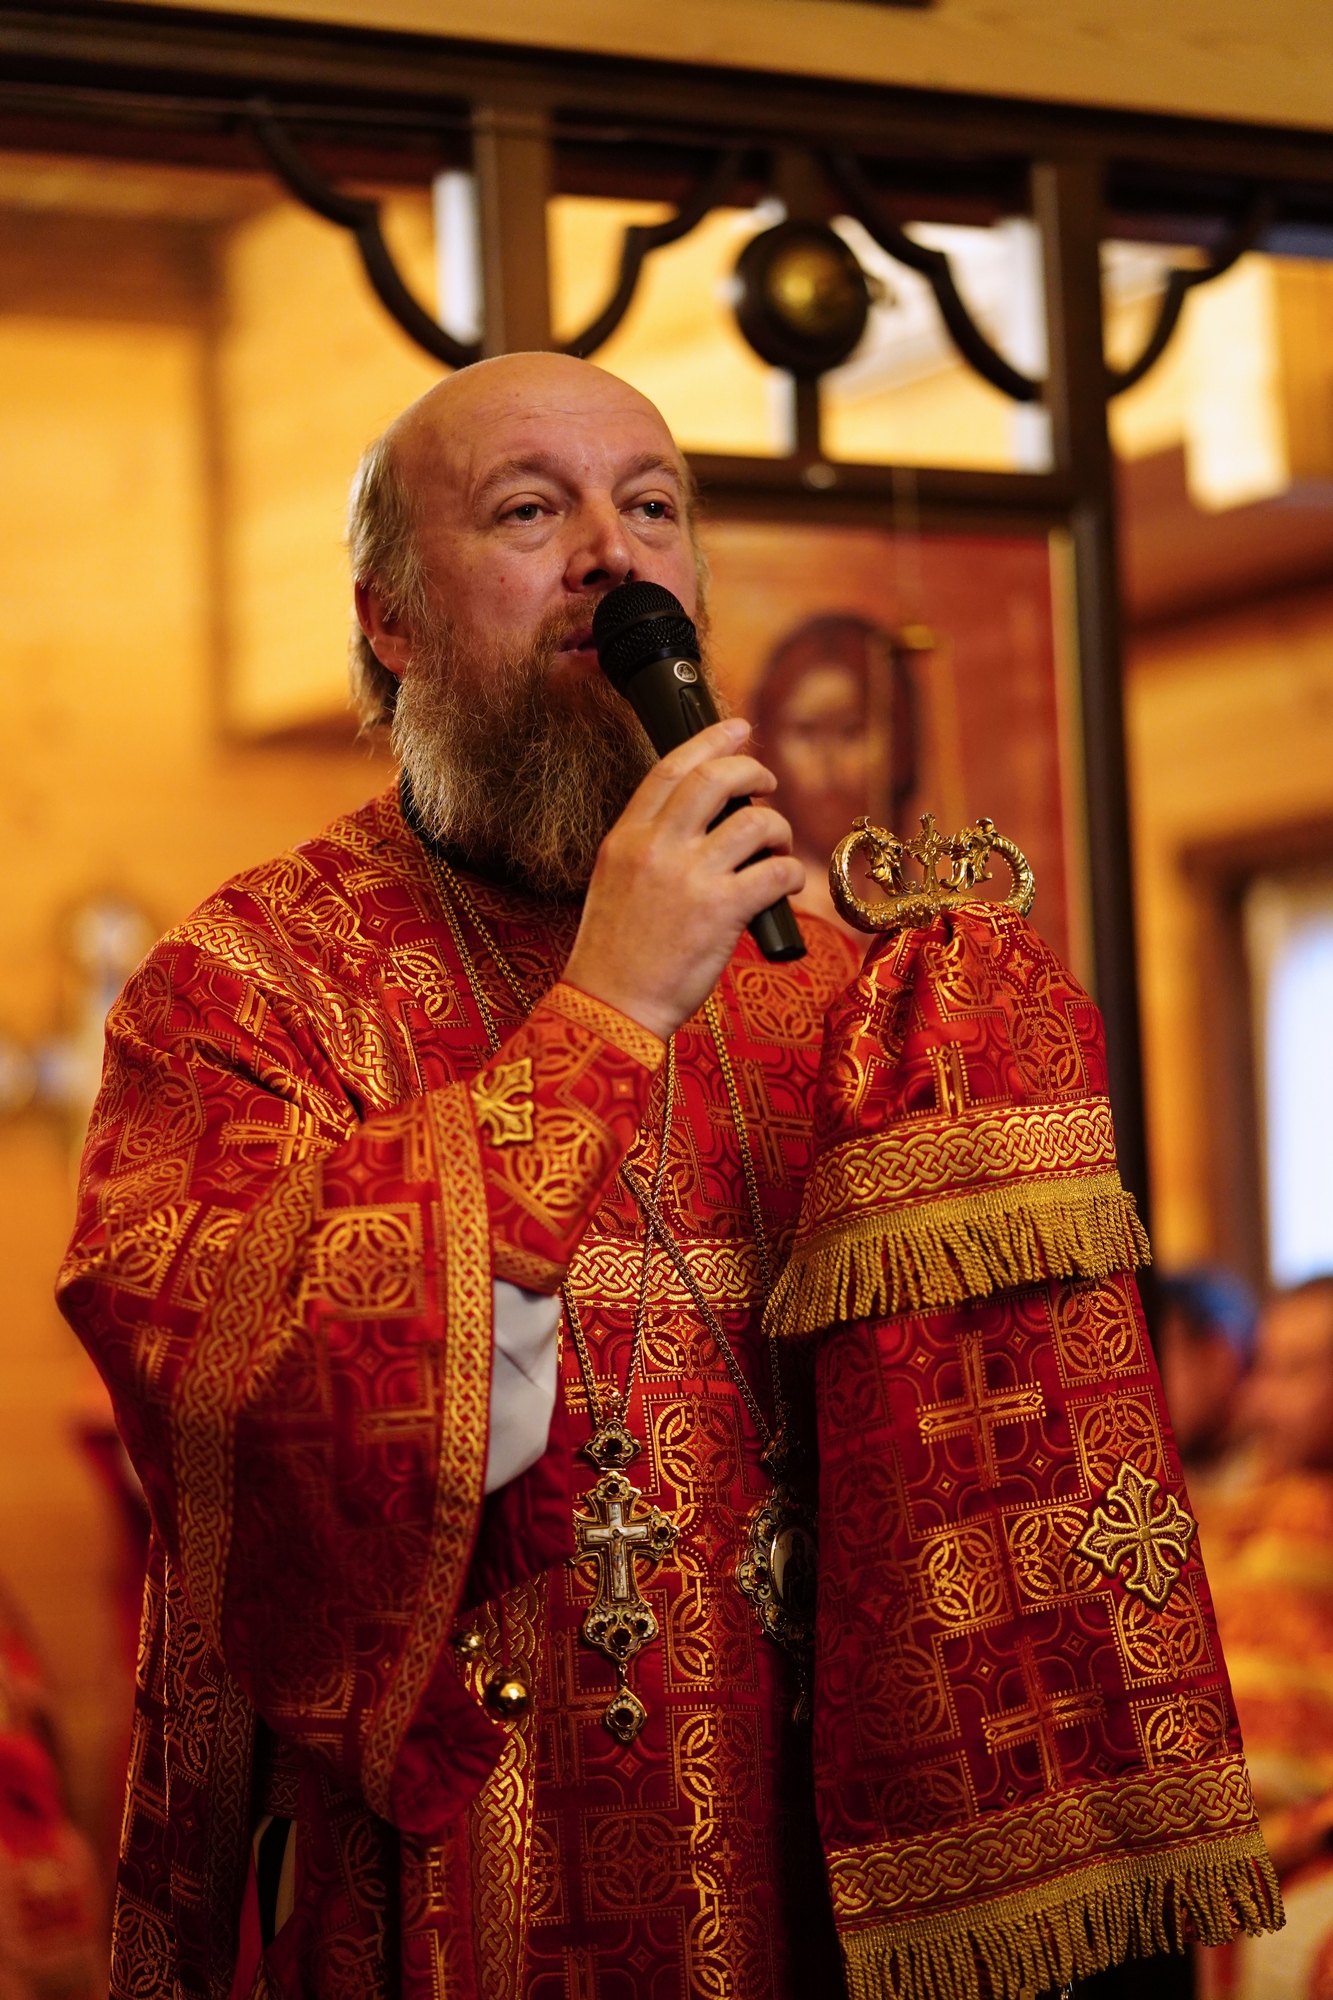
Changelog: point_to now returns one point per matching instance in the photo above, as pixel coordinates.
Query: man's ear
(388, 639)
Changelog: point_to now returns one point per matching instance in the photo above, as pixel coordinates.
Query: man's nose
(599, 551)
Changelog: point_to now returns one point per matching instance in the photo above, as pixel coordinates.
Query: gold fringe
(943, 1252)
(1070, 1929)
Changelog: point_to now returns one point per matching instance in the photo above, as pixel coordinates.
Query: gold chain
(453, 895)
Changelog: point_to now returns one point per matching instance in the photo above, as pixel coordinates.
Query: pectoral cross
(619, 1622)
(980, 1411)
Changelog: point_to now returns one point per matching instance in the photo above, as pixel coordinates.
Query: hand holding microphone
(649, 651)
(695, 857)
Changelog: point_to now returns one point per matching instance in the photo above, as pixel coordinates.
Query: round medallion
(793, 1566)
(803, 297)
(507, 1695)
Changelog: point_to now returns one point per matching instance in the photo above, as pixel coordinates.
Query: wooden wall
(114, 774)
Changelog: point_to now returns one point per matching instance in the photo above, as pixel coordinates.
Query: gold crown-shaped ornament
(910, 902)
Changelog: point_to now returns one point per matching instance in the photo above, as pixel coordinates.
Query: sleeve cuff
(608, 1022)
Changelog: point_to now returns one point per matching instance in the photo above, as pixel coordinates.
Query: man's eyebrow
(653, 461)
(545, 464)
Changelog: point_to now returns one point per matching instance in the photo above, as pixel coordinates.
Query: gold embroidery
(1040, 1716)
(607, 1022)
(214, 1378)
(959, 1576)
(609, 1269)
(977, 1148)
(1185, 1729)
(1041, 1549)
(500, 1818)
(1113, 1430)
(138, 1260)
(1170, 1644)
(204, 1254)
(465, 1402)
(1004, 1851)
(980, 1411)
(502, 1101)
(635, 1861)
(366, 1263)
(1096, 1331)
(1154, 1541)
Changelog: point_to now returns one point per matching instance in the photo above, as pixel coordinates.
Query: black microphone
(649, 651)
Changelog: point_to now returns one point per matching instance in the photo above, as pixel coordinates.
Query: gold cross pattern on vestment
(980, 1411)
(1037, 1719)
(1154, 1541)
(620, 1623)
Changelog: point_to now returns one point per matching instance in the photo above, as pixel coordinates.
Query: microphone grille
(639, 622)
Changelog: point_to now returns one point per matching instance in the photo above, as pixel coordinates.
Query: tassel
(1071, 1929)
(942, 1253)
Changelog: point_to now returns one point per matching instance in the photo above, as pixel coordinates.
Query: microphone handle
(671, 700)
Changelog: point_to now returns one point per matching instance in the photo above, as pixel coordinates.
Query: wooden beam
(156, 67)
(512, 155)
(1067, 200)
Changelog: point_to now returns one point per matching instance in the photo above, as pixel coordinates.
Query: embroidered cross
(981, 1411)
(766, 1125)
(1155, 1542)
(1039, 1718)
(952, 1092)
(568, 1709)
(502, 1101)
(615, 1537)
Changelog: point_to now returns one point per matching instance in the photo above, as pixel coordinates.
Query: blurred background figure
(835, 716)
(1268, 1543)
(1205, 1345)
(50, 1901)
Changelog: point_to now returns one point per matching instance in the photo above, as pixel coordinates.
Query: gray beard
(518, 779)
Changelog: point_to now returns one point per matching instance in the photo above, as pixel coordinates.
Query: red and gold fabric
(1027, 1761)
(303, 1174)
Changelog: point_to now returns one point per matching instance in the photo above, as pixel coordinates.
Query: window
(1289, 936)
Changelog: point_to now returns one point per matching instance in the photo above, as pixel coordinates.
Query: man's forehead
(596, 427)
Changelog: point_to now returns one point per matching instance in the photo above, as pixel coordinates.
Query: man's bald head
(454, 424)
(426, 476)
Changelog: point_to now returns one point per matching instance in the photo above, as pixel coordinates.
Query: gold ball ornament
(810, 286)
(507, 1695)
(470, 1644)
(802, 299)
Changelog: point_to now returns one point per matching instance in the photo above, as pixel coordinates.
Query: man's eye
(527, 511)
(653, 510)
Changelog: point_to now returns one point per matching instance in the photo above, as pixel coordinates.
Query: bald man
(426, 1217)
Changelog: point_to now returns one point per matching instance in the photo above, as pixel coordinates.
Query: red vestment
(302, 1175)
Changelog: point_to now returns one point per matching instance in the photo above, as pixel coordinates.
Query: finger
(739, 837)
(719, 740)
(698, 798)
(758, 888)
